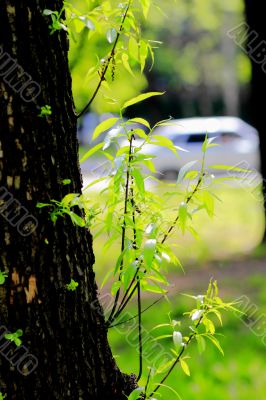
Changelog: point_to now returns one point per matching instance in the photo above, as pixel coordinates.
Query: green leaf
(215, 342)
(72, 286)
(165, 366)
(140, 98)
(104, 126)
(205, 144)
(145, 7)
(183, 214)
(17, 341)
(208, 203)
(164, 142)
(14, 337)
(136, 394)
(126, 64)
(66, 181)
(129, 274)
(3, 276)
(208, 143)
(76, 219)
(150, 165)
(141, 121)
(47, 12)
(41, 205)
(92, 151)
(160, 326)
(68, 198)
(143, 52)
(111, 35)
(149, 251)
(133, 48)
(139, 181)
(115, 287)
(201, 343)
(153, 289)
(184, 170)
(228, 168)
(184, 366)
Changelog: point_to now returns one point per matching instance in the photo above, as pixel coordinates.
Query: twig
(110, 319)
(127, 297)
(111, 56)
(135, 316)
(192, 335)
(146, 386)
(177, 217)
(140, 334)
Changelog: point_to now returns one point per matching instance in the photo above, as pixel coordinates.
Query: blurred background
(204, 74)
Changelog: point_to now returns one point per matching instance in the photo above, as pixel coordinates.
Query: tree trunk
(63, 330)
(255, 12)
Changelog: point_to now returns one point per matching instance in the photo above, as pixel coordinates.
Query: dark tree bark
(63, 329)
(255, 13)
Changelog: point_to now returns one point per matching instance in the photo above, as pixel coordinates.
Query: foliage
(15, 337)
(72, 286)
(190, 39)
(132, 213)
(64, 207)
(45, 111)
(3, 276)
(126, 57)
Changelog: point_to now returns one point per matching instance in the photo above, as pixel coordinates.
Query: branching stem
(191, 337)
(127, 187)
(108, 62)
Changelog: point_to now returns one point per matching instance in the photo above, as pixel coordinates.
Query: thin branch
(146, 386)
(127, 297)
(110, 58)
(191, 337)
(140, 334)
(177, 217)
(135, 316)
(133, 205)
(110, 319)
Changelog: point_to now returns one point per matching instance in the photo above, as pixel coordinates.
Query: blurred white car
(238, 144)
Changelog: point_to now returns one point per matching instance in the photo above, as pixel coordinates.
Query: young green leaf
(141, 121)
(183, 214)
(140, 98)
(201, 343)
(72, 286)
(76, 219)
(149, 251)
(92, 151)
(184, 170)
(215, 342)
(3, 276)
(136, 394)
(104, 126)
(115, 287)
(184, 366)
(66, 181)
(228, 168)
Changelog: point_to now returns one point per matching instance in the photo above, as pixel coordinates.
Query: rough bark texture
(255, 12)
(61, 328)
